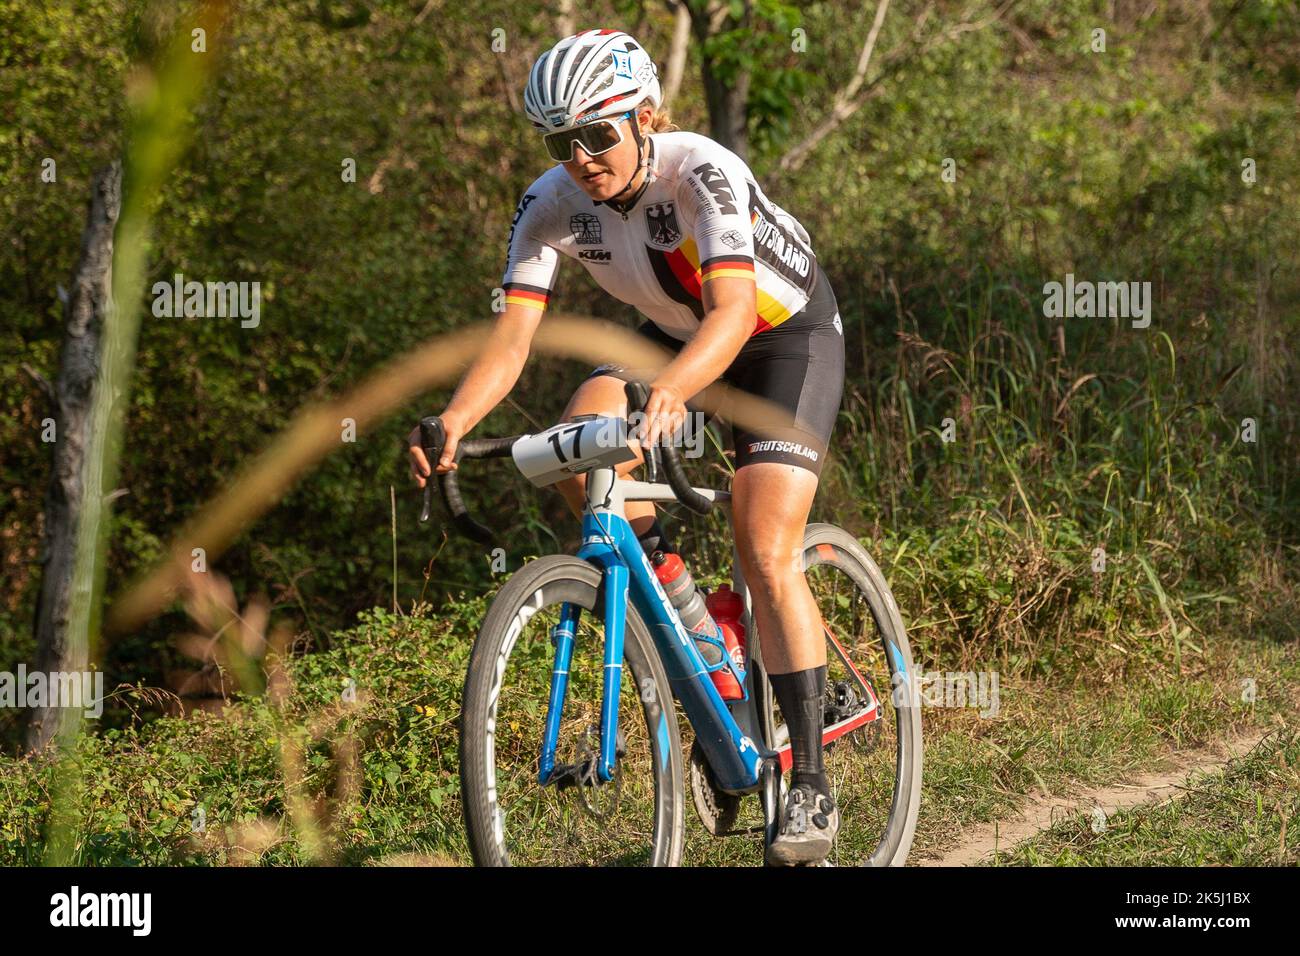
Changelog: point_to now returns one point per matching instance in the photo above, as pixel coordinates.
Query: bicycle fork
(563, 638)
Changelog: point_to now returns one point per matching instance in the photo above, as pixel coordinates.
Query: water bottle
(726, 608)
(685, 596)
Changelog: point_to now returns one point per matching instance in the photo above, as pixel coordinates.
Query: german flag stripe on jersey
(732, 267)
(771, 313)
(683, 281)
(530, 296)
(678, 278)
(683, 263)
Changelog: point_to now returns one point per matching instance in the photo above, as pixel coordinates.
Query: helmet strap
(643, 163)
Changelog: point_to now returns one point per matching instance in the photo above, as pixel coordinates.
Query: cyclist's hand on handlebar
(665, 412)
(454, 430)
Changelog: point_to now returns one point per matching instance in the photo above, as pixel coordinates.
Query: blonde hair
(661, 121)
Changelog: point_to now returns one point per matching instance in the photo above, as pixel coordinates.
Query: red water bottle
(726, 608)
(685, 596)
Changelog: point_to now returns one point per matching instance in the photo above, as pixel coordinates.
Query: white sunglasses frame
(616, 122)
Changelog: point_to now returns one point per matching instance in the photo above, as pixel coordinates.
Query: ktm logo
(595, 255)
(718, 188)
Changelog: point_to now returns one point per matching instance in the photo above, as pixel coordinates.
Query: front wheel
(873, 762)
(511, 819)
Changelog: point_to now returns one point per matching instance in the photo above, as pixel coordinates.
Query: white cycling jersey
(702, 216)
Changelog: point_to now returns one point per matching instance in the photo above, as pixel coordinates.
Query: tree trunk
(85, 312)
(676, 63)
(727, 99)
(564, 19)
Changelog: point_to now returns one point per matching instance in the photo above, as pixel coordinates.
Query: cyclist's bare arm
(730, 306)
(488, 380)
(728, 321)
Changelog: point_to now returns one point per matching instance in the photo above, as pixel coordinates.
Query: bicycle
(617, 747)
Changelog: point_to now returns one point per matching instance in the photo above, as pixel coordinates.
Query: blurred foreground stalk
(160, 100)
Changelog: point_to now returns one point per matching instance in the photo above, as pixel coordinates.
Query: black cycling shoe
(808, 827)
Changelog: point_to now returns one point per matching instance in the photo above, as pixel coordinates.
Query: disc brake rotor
(599, 800)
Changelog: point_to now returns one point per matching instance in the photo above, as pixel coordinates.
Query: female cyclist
(675, 225)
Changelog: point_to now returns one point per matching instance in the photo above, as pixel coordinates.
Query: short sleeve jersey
(702, 216)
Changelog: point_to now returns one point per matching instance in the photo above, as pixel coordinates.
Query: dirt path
(1041, 813)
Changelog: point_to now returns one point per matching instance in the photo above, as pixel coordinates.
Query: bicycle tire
(548, 582)
(826, 544)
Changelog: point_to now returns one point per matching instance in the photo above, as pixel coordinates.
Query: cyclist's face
(604, 176)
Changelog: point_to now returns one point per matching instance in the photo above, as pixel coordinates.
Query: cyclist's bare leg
(603, 395)
(770, 503)
(770, 506)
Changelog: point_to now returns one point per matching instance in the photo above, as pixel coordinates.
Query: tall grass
(1065, 439)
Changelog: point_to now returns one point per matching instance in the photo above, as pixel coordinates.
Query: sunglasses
(595, 138)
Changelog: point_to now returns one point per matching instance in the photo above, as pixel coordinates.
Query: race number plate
(572, 448)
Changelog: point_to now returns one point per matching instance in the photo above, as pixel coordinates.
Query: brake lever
(637, 396)
(433, 437)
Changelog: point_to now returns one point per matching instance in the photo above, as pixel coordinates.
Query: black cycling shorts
(798, 365)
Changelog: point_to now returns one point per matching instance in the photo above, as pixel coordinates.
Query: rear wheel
(874, 765)
(634, 819)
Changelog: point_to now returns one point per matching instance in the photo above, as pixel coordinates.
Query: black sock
(654, 538)
(802, 705)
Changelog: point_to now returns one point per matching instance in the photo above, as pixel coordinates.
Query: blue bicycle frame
(609, 542)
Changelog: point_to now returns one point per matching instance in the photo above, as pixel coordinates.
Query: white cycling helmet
(589, 76)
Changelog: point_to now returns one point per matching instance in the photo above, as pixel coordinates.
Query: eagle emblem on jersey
(586, 229)
(661, 218)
